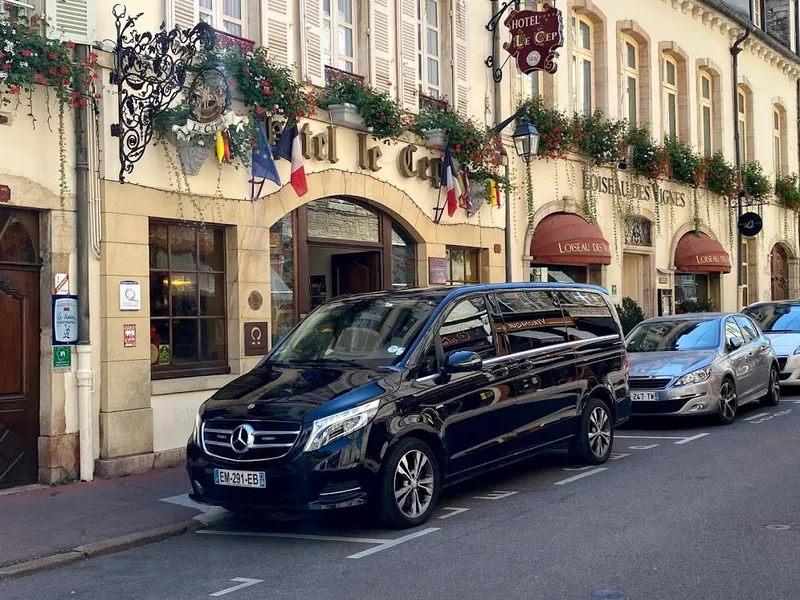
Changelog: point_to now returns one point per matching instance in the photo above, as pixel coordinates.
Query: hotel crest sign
(535, 38)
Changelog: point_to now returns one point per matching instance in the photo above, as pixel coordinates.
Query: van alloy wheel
(413, 484)
(599, 431)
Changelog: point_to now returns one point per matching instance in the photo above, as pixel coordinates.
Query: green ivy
(754, 183)
(787, 191)
(381, 114)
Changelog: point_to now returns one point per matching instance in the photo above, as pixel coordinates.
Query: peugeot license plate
(247, 479)
(643, 396)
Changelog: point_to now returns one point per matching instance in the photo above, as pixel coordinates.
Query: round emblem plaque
(255, 300)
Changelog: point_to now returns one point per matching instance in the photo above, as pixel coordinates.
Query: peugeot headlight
(329, 429)
(797, 351)
(198, 422)
(698, 376)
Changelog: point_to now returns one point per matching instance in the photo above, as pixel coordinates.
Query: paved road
(680, 513)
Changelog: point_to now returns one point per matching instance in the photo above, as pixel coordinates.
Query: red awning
(698, 253)
(567, 239)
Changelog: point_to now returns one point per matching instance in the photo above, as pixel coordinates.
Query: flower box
(347, 115)
(436, 138)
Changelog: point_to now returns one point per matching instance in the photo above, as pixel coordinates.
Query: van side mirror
(735, 343)
(462, 361)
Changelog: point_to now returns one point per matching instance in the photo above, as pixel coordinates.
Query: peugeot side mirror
(735, 343)
(462, 361)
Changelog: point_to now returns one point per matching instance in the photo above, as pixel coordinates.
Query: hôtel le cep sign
(535, 38)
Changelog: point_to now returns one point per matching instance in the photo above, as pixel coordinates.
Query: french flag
(450, 181)
(290, 148)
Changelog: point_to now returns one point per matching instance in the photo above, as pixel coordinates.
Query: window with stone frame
(582, 70)
(225, 15)
(463, 265)
(188, 300)
(670, 96)
(430, 33)
(780, 154)
(706, 113)
(339, 34)
(630, 80)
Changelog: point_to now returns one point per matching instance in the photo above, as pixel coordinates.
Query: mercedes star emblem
(242, 438)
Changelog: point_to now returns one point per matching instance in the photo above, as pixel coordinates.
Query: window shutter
(313, 68)
(71, 20)
(409, 75)
(182, 13)
(279, 26)
(460, 71)
(380, 46)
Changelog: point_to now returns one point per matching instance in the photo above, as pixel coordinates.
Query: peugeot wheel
(728, 403)
(773, 395)
(595, 436)
(409, 485)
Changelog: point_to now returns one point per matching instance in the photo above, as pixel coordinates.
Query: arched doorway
(779, 266)
(331, 247)
(19, 347)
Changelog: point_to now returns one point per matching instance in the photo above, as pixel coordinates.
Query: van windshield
(675, 336)
(775, 318)
(369, 333)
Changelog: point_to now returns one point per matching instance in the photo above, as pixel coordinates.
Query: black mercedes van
(384, 398)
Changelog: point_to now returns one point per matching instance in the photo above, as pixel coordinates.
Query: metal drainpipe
(84, 348)
(735, 51)
(498, 98)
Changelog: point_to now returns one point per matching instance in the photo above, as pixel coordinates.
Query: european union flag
(263, 163)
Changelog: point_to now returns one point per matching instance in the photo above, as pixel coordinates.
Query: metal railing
(228, 40)
(332, 74)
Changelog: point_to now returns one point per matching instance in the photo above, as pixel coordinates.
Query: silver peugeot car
(700, 364)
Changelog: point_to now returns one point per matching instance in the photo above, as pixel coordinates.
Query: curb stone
(101, 548)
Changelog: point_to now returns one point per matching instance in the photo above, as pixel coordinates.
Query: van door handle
(500, 372)
(525, 365)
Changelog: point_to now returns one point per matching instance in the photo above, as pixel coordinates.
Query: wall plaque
(256, 339)
(535, 37)
(437, 271)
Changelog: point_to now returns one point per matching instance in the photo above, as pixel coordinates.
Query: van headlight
(698, 376)
(796, 351)
(198, 423)
(329, 429)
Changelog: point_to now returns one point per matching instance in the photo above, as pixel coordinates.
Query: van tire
(409, 465)
(595, 439)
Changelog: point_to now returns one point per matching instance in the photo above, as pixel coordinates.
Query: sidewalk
(50, 526)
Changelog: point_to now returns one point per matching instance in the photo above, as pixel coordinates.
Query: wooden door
(19, 376)
(356, 273)
(780, 273)
(633, 278)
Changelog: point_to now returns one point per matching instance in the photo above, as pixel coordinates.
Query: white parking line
(243, 582)
(453, 512)
(648, 447)
(691, 439)
(617, 455)
(393, 543)
(497, 495)
(293, 536)
(207, 514)
(580, 476)
(648, 437)
(759, 415)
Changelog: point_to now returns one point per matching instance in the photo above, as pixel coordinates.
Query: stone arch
(640, 36)
(680, 56)
(794, 266)
(718, 118)
(598, 18)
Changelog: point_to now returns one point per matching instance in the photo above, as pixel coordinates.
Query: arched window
(707, 113)
(779, 142)
(670, 96)
(582, 67)
(744, 116)
(630, 80)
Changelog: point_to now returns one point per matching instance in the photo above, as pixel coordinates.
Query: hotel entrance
(333, 247)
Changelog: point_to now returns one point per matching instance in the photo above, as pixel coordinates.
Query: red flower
(26, 53)
(2, 54)
(84, 102)
(7, 66)
(14, 89)
(98, 96)
(71, 45)
(259, 111)
(64, 69)
(40, 79)
(53, 56)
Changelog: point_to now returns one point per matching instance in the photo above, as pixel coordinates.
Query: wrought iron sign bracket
(492, 25)
(149, 72)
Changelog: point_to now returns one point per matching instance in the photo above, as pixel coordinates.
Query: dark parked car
(384, 398)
